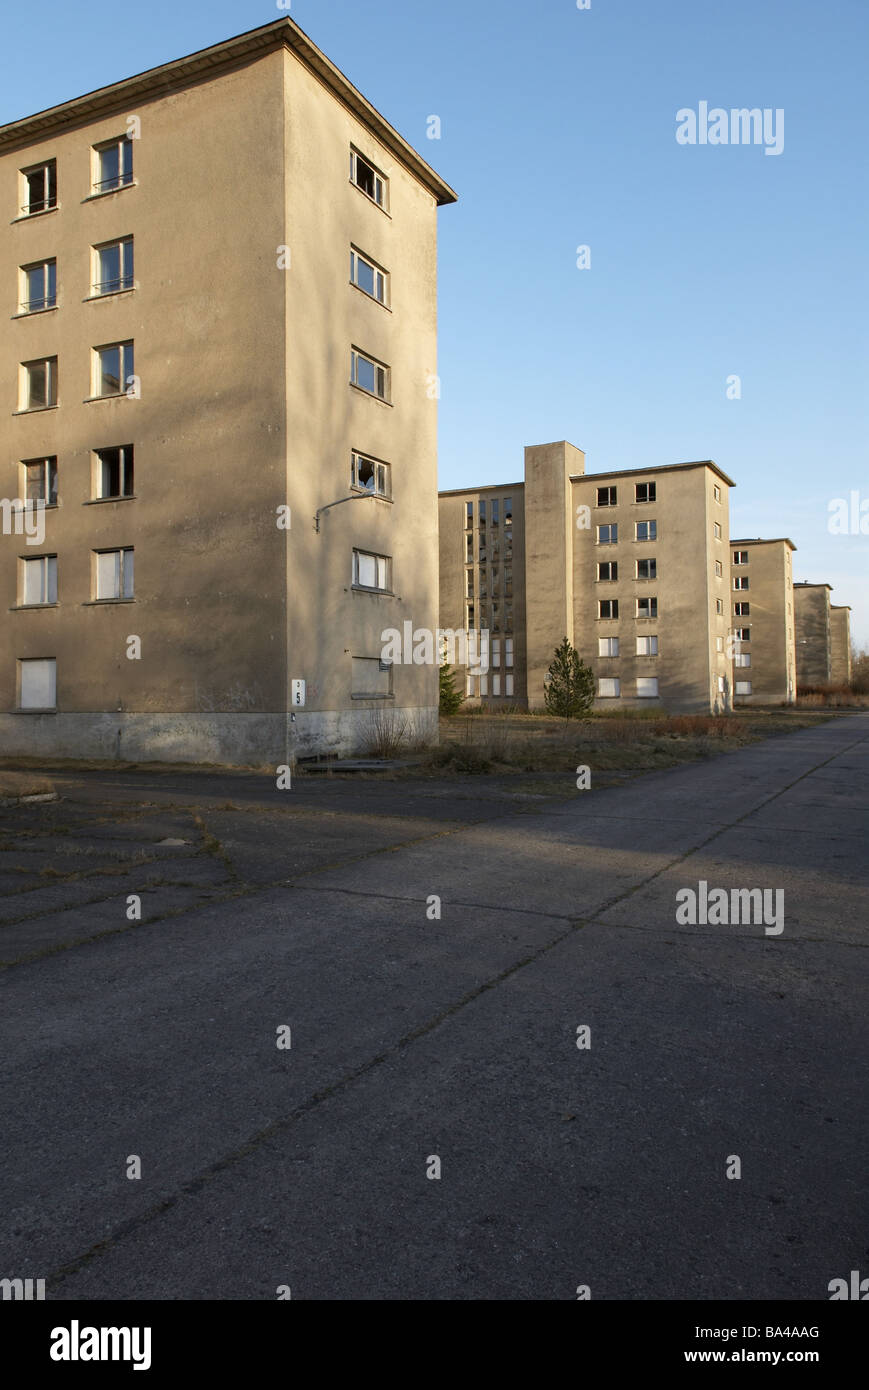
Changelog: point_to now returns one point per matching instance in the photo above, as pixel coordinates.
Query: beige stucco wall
(772, 672)
(549, 550)
(840, 645)
(812, 624)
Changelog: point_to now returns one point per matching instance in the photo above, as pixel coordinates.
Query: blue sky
(558, 130)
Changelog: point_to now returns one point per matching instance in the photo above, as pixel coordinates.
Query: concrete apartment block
(483, 586)
(813, 633)
(646, 605)
(651, 579)
(840, 644)
(763, 637)
(264, 247)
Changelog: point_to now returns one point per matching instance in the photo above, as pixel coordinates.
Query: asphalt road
(414, 1038)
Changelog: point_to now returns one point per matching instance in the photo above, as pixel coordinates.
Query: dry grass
(532, 743)
(831, 697)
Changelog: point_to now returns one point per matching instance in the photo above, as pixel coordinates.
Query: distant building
(814, 633)
(763, 638)
(632, 566)
(840, 644)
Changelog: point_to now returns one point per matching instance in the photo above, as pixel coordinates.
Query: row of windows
(608, 572)
(643, 531)
(608, 608)
(111, 272)
(490, 581)
(609, 646)
(490, 616)
(643, 494)
(479, 685)
(111, 578)
(489, 512)
(112, 374)
(111, 476)
(610, 687)
(489, 546)
(111, 169)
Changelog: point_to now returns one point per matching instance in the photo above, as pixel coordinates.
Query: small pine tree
(570, 692)
(451, 700)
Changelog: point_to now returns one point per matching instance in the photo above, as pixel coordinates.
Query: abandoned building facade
(222, 286)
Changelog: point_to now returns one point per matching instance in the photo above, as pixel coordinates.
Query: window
(37, 684)
(508, 656)
(368, 179)
(647, 687)
(496, 616)
(371, 678)
(647, 608)
(496, 651)
(607, 496)
(740, 557)
(39, 580)
(742, 634)
(114, 472)
(40, 187)
(607, 646)
(716, 492)
(742, 610)
(367, 276)
(469, 688)
(719, 571)
(607, 535)
(113, 267)
(647, 646)
(371, 571)
(496, 511)
(113, 574)
(469, 516)
(608, 608)
(470, 622)
(40, 481)
(716, 530)
(743, 687)
(370, 475)
(508, 617)
(609, 688)
(39, 384)
(369, 375)
(38, 287)
(508, 581)
(647, 569)
(484, 685)
(496, 579)
(113, 369)
(113, 165)
(469, 587)
(647, 492)
(608, 572)
(469, 550)
(720, 685)
(508, 685)
(719, 644)
(647, 530)
(496, 684)
(508, 511)
(741, 582)
(484, 584)
(482, 513)
(742, 659)
(719, 605)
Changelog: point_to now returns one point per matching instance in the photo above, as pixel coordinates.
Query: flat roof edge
(179, 72)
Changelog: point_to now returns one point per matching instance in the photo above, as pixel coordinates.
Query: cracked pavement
(454, 1037)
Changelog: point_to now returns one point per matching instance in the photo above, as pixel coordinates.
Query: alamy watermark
(742, 126)
(23, 518)
(422, 647)
(746, 907)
